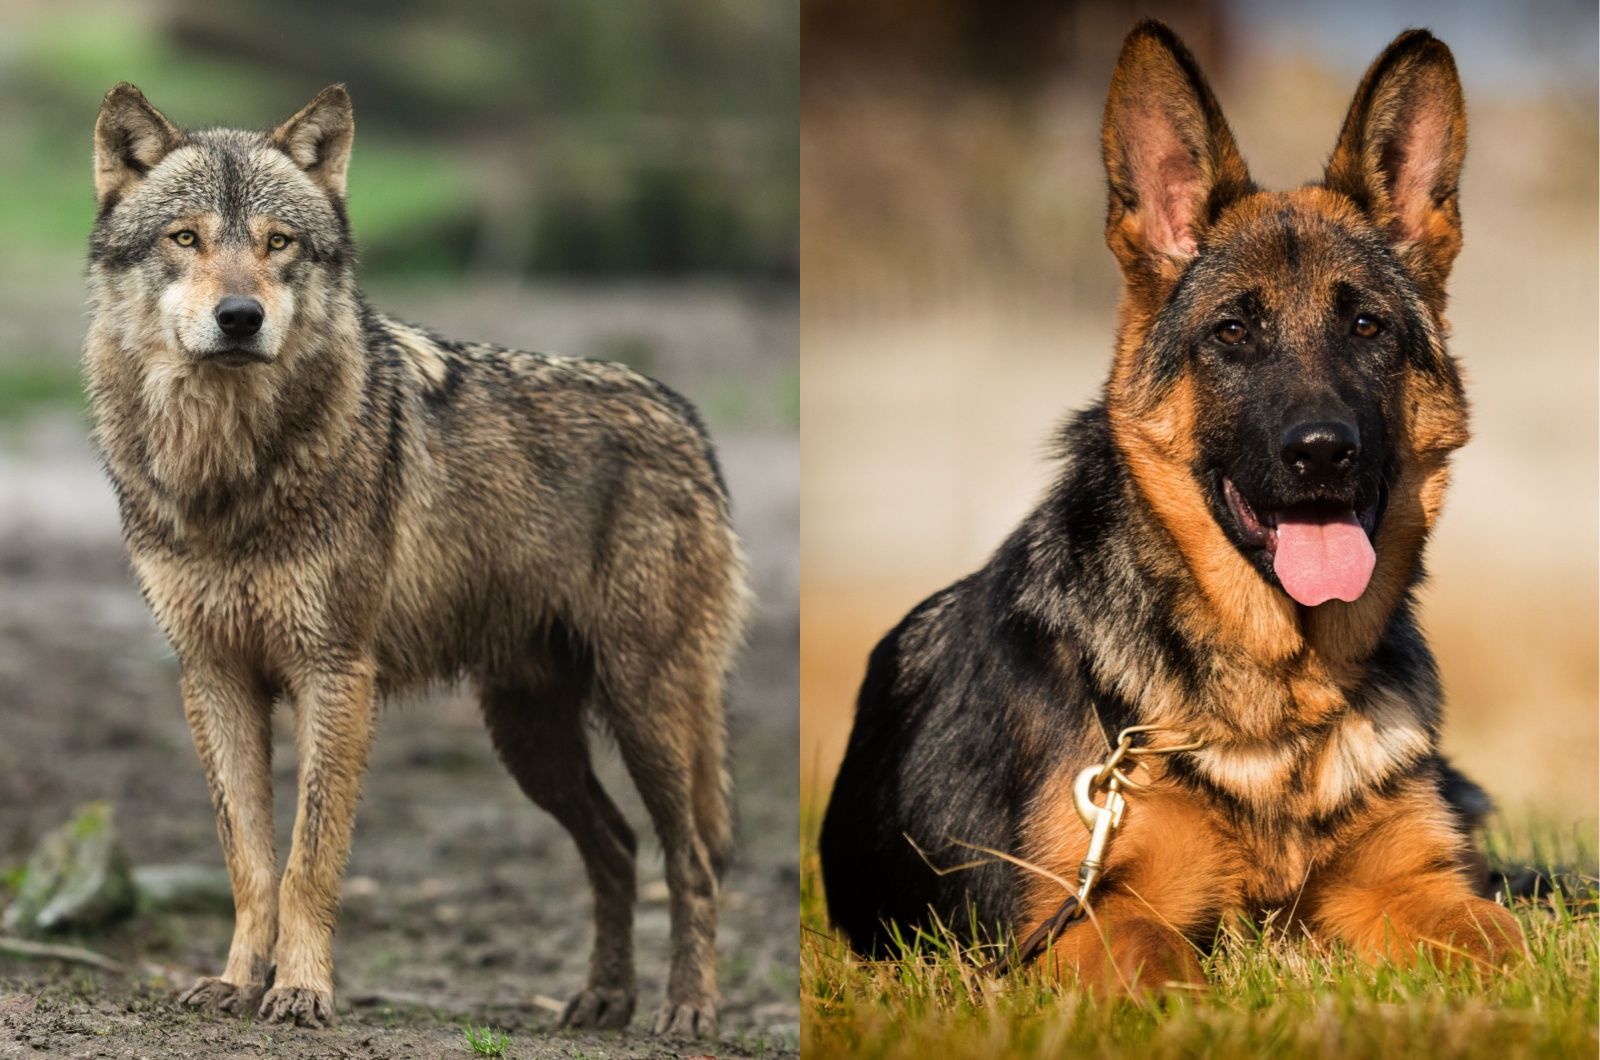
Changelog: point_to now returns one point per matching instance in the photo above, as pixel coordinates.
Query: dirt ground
(463, 901)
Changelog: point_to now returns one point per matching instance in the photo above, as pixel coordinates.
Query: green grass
(30, 383)
(1268, 997)
(486, 1041)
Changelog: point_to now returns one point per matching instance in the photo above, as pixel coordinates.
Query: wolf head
(219, 249)
(1281, 389)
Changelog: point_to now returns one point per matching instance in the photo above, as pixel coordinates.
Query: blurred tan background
(958, 299)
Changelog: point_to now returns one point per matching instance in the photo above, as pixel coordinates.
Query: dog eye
(1231, 333)
(185, 238)
(1366, 327)
(278, 242)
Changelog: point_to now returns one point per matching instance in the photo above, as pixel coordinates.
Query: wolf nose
(239, 317)
(1318, 451)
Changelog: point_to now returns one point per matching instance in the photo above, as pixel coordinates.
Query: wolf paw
(216, 995)
(686, 1021)
(299, 1006)
(598, 1007)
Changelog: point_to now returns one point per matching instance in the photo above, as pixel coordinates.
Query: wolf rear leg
(670, 732)
(333, 732)
(230, 716)
(537, 727)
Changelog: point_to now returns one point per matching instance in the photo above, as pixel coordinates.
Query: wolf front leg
(333, 731)
(230, 715)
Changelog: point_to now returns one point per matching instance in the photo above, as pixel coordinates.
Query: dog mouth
(1319, 550)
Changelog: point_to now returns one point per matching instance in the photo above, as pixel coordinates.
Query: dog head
(208, 244)
(1281, 389)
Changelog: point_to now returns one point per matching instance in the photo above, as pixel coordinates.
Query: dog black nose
(1319, 450)
(239, 317)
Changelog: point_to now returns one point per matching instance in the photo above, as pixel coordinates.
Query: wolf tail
(712, 785)
(712, 794)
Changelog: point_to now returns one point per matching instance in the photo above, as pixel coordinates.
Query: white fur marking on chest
(1368, 746)
(1249, 770)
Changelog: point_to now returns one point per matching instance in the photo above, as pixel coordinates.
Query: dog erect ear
(1170, 158)
(1399, 154)
(130, 138)
(318, 138)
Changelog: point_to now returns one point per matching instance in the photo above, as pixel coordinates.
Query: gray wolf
(1230, 552)
(325, 506)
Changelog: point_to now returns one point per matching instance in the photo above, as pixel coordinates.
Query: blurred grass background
(957, 299)
(499, 145)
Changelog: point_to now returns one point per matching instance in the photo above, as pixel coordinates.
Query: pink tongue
(1322, 556)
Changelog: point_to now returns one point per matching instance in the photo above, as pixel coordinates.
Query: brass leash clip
(1113, 776)
(1099, 820)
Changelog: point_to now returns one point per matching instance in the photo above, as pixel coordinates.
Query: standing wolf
(1229, 554)
(324, 506)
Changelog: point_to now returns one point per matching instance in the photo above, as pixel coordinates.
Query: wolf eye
(1365, 327)
(185, 238)
(1231, 333)
(278, 242)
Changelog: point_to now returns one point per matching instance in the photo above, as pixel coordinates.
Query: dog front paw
(1120, 957)
(299, 1006)
(1482, 931)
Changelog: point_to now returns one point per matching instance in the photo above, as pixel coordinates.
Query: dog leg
(1433, 912)
(1399, 886)
(1124, 948)
(231, 719)
(333, 730)
(538, 732)
(1406, 913)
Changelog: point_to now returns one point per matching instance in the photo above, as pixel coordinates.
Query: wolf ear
(1399, 154)
(130, 138)
(318, 138)
(1170, 159)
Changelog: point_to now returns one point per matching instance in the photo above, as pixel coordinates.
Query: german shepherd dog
(1230, 553)
(325, 506)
